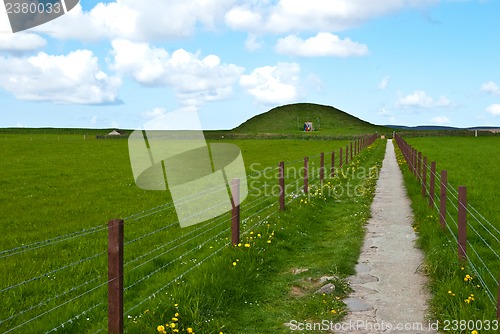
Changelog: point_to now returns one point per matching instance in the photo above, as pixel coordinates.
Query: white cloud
(323, 44)
(440, 120)
(286, 16)
(138, 20)
(21, 42)
(75, 78)
(384, 82)
(494, 110)
(252, 43)
(273, 84)
(420, 99)
(193, 79)
(491, 88)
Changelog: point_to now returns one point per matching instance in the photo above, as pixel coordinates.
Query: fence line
(413, 159)
(264, 205)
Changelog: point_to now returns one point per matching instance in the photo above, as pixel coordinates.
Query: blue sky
(127, 64)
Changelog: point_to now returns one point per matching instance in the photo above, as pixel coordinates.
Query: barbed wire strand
(69, 321)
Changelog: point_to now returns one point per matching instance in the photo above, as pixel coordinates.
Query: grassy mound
(289, 119)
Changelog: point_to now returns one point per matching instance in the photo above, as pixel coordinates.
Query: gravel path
(389, 287)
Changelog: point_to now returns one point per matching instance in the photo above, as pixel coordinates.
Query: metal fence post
(115, 276)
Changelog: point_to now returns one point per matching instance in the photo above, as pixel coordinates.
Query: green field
(471, 162)
(58, 191)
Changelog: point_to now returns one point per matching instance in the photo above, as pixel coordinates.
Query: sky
(215, 63)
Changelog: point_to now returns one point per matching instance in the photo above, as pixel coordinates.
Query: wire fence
(61, 282)
(481, 251)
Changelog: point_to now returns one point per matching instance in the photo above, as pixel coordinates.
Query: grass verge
(459, 301)
(271, 279)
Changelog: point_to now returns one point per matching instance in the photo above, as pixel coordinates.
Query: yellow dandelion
(449, 292)
(175, 305)
(176, 314)
(234, 263)
(474, 332)
(175, 319)
(189, 330)
(333, 312)
(160, 328)
(247, 245)
(239, 245)
(172, 325)
(268, 241)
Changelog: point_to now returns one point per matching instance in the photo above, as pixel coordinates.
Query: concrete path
(389, 288)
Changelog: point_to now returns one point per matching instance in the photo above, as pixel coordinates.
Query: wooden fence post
(347, 155)
(462, 223)
(282, 185)
(115, 276)
(424, 178)
(351, 150)
(332, 170)
(433, 184)
(321, 167)
(306, 175)
(235, 217)
(341, 158)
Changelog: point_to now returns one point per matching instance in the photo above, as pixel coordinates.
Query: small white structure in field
(114, 133)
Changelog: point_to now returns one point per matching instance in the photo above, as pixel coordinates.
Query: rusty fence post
(282, 185)
(115, 276)
(347, 154)
(306, 175)
(321, 167)
(351, 149)
(462, 223)
(332, 169)
(424, 178)
(235, 216)
(432, 184)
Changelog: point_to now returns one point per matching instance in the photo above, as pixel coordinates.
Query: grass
(271, 278)
(58, 184)
(459, 289)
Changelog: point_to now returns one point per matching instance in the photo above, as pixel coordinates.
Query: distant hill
(289, 119)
